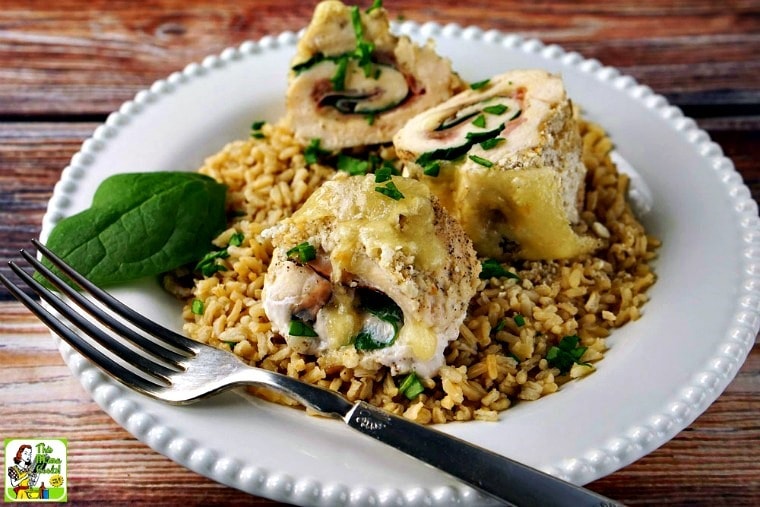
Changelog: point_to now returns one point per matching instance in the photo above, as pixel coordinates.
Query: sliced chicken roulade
(377, 273)
(353, 83)
(505, 159)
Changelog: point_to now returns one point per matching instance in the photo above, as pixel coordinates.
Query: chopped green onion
(519, 320)
(300, 67)
(256, 129)
(411, 387)
(364, 48)
(197, 307)
(363, 53)
(432, 169)
(208, 265)
(499, 326)
(356, 21)
(491, 143)
(352, 166)
(303, 252)
(479, 137)
(495, 109)
(383, 174)
(237, 239)
(390, 166)
(490, 268)
(339, 78)
(481, 161)
(480, 84)
(313, 152)
(300, 328)
(377, 4)
(390, 190)
(370, 117)
(566, 353)
(231, 345)
(480, 121)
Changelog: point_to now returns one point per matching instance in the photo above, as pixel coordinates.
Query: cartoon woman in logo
(22, 477)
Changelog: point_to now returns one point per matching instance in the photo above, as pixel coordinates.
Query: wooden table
(65, 65)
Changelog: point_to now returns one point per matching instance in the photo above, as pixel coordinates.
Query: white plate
(659, 375)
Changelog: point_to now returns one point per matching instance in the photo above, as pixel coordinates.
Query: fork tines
(156, 360)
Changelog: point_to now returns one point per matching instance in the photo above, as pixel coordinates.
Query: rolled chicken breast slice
(401, 274)
(354, 83)
(505, 159)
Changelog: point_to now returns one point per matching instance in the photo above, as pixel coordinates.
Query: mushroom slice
(401, 275)
(508, 165)
(354, 83)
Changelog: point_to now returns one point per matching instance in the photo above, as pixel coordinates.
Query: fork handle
(486, 471)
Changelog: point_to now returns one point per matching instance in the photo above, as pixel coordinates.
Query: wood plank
(57, 59)
(706, 464)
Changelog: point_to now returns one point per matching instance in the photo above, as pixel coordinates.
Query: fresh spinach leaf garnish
(141, 224)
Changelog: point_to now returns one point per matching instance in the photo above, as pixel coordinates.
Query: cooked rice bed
(491, 365)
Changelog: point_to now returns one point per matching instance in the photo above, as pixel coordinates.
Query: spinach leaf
(141, 224)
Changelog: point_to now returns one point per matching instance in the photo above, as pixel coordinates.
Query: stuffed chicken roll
(505, 159)
(354, 83)
(371, 273)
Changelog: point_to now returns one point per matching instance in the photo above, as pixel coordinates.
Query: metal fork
(178, 370)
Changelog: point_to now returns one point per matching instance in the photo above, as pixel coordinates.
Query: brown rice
(497, 359)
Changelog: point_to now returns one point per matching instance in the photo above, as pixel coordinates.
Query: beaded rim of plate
(688, 403)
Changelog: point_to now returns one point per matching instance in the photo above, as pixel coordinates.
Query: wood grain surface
(65, 65)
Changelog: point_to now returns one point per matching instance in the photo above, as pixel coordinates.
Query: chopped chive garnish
(513, 356)
(432, 169)
(499, 326)
(390, 190)
(480, 121)
(411, 387)
(370, 118)
(519, 320)
(496, 109)
(491, 268)
(313, 152)
(352, 166)
(303, 252)
(480, 84)
(383, 174)
(231, 345)
(237, 239)
(257, 135)
(300, 328)
(566, 353)
(491, 143)
(481, 161)
(197, 307)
